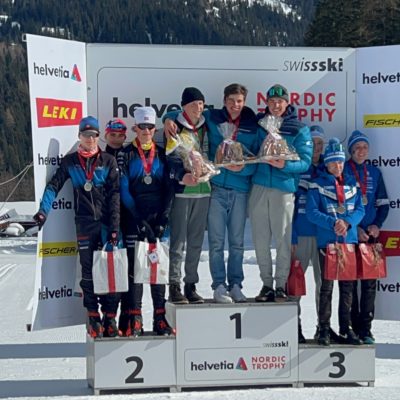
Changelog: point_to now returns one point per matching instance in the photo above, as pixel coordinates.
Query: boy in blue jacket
(334, 205)
(376, 204)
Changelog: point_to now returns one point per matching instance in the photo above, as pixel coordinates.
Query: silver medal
(364, 200)
(147, 180)
(88, 186)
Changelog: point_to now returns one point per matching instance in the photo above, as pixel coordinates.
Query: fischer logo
(54, 112)
(121, 110)
(381, 120)
(304, 65)
(57, 72)
(46, 294)
(380, 78)
(58, 249)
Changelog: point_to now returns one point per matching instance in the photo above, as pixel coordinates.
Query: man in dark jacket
(95, 181)
(115, 136)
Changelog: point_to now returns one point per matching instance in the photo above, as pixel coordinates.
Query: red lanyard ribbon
(340, 190)
(236, 122)
(88, 173)
(147, 164)
(363, 184)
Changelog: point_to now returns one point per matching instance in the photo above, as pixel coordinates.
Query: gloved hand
(159, 231)
(40, 219)
(113, 238)
(147, 232)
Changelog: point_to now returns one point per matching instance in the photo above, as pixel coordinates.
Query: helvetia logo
(47, 294)
(57, 72)
(241, 364)
(55, 112)
(304, 65)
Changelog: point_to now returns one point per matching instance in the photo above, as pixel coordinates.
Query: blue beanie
(355, 137)
(89, 124)
(317, 131)
(334, 151)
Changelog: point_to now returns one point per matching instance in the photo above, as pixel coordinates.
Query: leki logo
(241, 364)
(58, 72)
(54, 112)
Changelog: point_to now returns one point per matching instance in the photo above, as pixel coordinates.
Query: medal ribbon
(363, 184)
(236, 122)
(89, 174)
(340, 190)
(147, 163)
(189, 121)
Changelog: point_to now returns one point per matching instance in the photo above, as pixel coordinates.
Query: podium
(224, 345)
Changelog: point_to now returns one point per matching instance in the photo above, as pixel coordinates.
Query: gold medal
(88, 186)
(364, 200)
(340, 209)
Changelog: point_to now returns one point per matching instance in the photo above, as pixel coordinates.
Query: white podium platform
(225, 345)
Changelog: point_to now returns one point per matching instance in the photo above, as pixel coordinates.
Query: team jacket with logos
(301, 225)
(101, 203)
(321, 208)
(151, 202)
(297, 135)
(377, 208)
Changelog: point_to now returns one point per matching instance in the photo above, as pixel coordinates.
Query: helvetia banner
(57, 84)
(378, 116)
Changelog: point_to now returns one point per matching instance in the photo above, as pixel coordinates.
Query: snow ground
(51, 363)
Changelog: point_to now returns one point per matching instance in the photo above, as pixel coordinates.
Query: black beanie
(191, 94)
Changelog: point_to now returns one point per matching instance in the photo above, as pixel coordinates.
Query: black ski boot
(94, 327)
(110, 326)
(160, 324)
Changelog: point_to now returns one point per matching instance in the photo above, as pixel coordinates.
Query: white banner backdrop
(123, 77)
(378, 116)
(57, 84)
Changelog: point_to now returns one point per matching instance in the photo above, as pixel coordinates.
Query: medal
(147, 179)
(340, 210)
(88, 186)
(364, 200)
(363, 184)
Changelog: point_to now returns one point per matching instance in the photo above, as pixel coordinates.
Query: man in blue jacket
(271, 201)
(376, 204)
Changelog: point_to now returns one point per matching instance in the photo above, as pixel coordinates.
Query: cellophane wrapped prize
(274, 146)
(186, 148)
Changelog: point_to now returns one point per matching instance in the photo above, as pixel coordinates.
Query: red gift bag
(371, 261)
(296, 283)
(340, 262)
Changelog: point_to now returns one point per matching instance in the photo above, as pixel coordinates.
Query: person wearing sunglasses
(146, 193)
(115, 136)
(95, 181)
(334, 205)
(376, 204)
(271, 201)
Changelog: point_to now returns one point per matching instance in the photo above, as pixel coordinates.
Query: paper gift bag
(296, 283)
(340, 262)
(371, 261)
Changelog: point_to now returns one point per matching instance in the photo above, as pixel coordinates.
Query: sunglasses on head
(275, 92)
(146, 126)
(88, 134)
(115, 126)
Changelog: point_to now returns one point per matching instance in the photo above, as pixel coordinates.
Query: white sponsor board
(57, 85)
(378, 116)
(123, 77)
(236, 344)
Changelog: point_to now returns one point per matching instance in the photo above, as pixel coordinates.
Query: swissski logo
(54, 112)
(57, 72)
